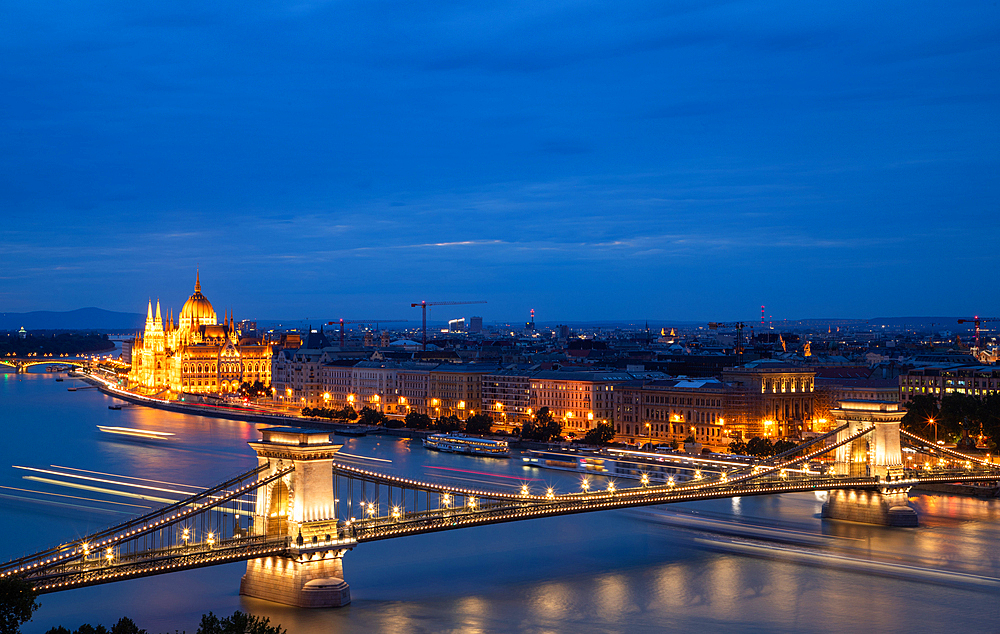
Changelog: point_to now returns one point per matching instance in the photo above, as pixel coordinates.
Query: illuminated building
(578, 400)
(770, 399)
(670, 411)
(196, 354)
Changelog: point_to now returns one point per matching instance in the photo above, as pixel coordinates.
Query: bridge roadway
(22, 364)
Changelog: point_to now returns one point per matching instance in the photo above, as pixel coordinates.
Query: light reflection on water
(602, 572)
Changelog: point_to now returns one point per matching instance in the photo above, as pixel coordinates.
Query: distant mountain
(82, 318)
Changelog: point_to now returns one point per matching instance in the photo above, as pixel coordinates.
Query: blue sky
(591, 160)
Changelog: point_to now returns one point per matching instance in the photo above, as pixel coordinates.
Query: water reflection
(598, 572)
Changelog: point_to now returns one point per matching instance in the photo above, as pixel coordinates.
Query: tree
(921, 409)
(369, 416)
(542, 427)
(603, 434)
(124, 625)
(448, 424)
(254, 390)
(479, 424)
(347, 413)
(17, 603)
(739, 447)
(760, 447)
(416, 420)
(238, 623)
(782, 445)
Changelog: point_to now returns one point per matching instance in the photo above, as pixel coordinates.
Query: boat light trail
(87, 487)
(75, 497)
(492, 475)
(350, 455)
(118, 475)
(118, 482)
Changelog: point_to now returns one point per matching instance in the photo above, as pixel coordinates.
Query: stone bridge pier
(875, 455)
(299, 506)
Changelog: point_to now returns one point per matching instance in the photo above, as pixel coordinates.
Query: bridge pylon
(300, 505)
(876, 454)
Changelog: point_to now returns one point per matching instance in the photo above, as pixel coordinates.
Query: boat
(351, 431)
(59, 379)
(454, 443)
(136, 433)
(114, 406)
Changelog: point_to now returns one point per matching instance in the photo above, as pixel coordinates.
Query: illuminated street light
(395, 513)
(585, 485)
(446, 498)
(611, 487)
(644, 480)
(472, 503)
(211, 539)
(524, 489)
(109, 554)
(549, 494)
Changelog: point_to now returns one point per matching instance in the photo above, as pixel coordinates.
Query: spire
(149, 311)
(197, 281)
(159, 318)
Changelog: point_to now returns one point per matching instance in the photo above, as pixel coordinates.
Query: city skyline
(685, 162)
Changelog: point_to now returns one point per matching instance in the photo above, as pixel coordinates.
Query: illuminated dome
(197, 309)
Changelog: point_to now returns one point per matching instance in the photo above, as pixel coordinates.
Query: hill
(79, 319)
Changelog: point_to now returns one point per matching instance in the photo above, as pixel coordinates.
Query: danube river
(615, 571)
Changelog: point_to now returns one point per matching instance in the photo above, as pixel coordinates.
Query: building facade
(973, 380)
(196, 355)
(771, 399)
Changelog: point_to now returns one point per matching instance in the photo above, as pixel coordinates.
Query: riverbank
(218, 411)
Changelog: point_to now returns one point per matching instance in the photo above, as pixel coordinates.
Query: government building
(197, 354)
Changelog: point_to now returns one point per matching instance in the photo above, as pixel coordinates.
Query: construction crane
(423, 309)
(361, 321)
(977, 321)
(739, 326)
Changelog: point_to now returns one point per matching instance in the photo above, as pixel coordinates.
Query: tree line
(760, 447)
(19, 601)
(958, 417)
(541, 427)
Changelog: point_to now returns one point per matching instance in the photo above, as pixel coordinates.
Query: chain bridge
(295, 515)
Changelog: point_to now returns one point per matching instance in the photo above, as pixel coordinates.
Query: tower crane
(423, 310)
(978, 320)
(739, 326)
(361, 321)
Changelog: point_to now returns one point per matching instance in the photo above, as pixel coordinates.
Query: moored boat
(454, 443)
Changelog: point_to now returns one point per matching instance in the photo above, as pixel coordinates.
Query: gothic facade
(196, 354)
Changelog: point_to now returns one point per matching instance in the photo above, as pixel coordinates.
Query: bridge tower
(299, 506)
(874, 455)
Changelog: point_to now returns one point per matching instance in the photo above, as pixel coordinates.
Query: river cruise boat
(657, 467)
(453, 443)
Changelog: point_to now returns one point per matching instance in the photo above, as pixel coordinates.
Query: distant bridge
(294, 522)
(21, 365)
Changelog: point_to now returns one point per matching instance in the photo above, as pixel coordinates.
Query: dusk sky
(591, 160)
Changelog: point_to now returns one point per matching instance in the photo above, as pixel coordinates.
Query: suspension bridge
(295, 515)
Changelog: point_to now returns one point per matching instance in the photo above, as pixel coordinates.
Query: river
(613, 571)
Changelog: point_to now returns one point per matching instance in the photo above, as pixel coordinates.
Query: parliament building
(197, 354)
